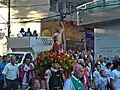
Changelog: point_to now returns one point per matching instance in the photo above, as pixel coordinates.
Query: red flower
(62, 53)
(42, 53)
(49, 59)
(37, 59)
(63, 60)
(56, 58)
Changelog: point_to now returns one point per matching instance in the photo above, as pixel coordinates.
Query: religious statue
(57, 38)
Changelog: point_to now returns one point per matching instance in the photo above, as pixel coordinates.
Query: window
(68, 5)
(53, 5)
(3, 1)
(57, 5)
(60, 7)
(73, 7)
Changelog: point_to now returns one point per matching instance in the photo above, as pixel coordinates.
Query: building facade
(28, 13)
(104, 17)
(34, 14)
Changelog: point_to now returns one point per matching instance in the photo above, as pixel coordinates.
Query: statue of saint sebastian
(57, 38)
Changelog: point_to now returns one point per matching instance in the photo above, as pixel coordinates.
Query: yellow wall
(72, 31)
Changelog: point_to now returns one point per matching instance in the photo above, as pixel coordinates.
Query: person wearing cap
(10, 74)
(76, 80)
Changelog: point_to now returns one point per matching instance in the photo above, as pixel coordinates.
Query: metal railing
(34, 40)
(99, 5)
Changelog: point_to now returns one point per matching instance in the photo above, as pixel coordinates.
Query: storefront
(73, 35)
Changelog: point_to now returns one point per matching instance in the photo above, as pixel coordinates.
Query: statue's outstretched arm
(61, 27)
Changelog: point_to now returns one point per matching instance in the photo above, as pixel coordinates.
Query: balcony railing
(99, 5)
(36, 43)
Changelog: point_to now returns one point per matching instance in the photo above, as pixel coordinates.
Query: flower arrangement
(46, 58)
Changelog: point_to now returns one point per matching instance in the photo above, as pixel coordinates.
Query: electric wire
(68, 13)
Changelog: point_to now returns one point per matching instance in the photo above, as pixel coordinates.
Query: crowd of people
(99, 74)
(17, 77)
(86, 73)
(107, 74)
(22, 33)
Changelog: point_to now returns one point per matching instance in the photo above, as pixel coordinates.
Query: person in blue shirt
(2, 65)
(0, 58)
(103, 81)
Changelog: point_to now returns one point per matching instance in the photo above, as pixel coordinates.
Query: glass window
(73, 7)
(60, 7)
(57, 5)
(3, 1)
(53, 5)
(68, 3)
(100, 5)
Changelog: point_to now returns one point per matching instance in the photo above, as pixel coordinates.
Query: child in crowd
(103, 81)
(96, 75)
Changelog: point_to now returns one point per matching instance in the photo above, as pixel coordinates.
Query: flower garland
(47, 58)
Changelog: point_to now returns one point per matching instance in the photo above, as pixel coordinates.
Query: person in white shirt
(21, 33)
(103, 81)
(78, 75)
(102, 64)
(26, 73)
(115, 77)
(10, 73)
(108, 70)
(96, 75)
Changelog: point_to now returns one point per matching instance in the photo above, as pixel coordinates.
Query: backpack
(55, 80)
